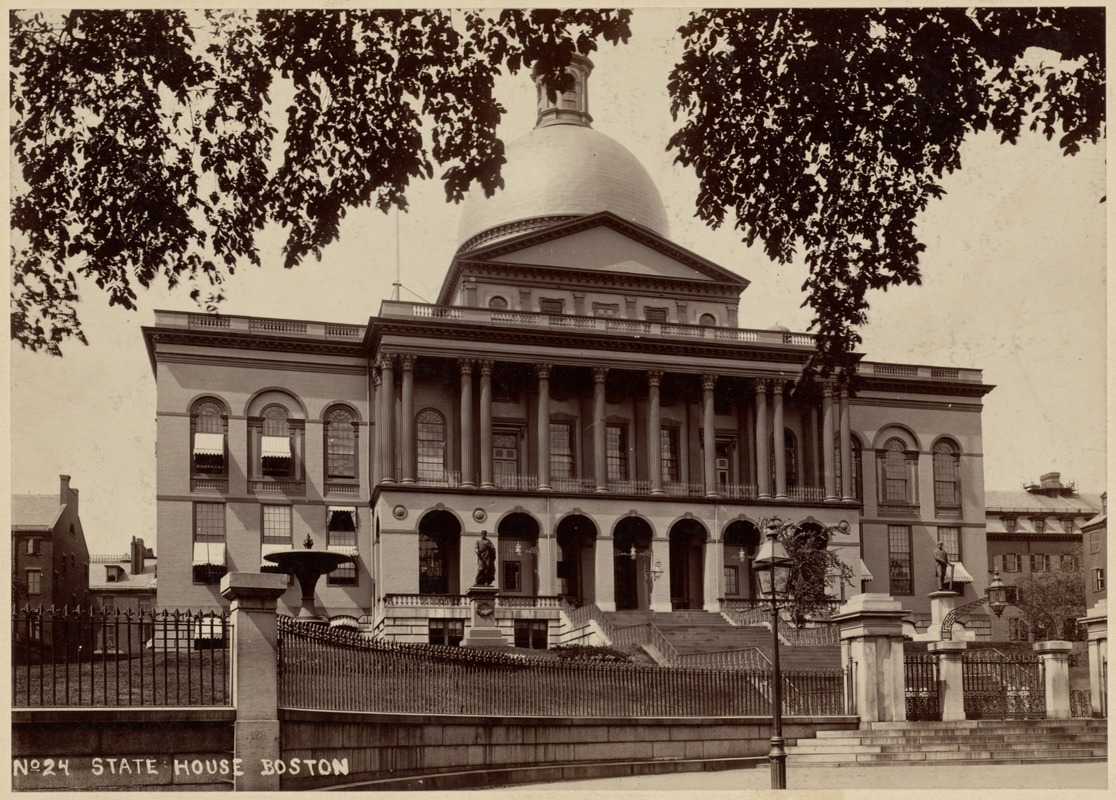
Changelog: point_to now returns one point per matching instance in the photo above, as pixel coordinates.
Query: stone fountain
(307, 566)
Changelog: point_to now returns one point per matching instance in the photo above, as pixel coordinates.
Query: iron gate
(1003, 686)
(921, 670)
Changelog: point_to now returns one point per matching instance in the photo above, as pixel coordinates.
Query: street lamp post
(773, 568)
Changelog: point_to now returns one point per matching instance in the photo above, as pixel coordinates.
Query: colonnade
(766, 418)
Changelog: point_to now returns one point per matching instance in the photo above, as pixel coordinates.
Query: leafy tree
(146, 146)
(830, 130)
(1061, 595)
(815, 569)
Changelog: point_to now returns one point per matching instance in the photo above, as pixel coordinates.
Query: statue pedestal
(482, 629)
(941, 603)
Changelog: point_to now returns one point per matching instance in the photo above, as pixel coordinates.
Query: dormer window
(113, 573)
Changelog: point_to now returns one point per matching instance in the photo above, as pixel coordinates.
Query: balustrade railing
(512, 601)
(738, 491)
(630, 487)
(517, 483)
(83, 658)
(447, 478)
(573, 485)
(425, 600)
(209, 484)
(276, 487)
(679, 489)
(335, 487)
(806, 494)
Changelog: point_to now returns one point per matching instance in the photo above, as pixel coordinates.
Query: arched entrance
(741, 542)
(517, 549)
(687, 564)
(632, 567)
(577, 537)
(439, 548)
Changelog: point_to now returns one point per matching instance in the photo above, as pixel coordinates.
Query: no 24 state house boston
(583, 391)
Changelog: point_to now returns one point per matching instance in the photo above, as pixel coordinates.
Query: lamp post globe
(997, 594)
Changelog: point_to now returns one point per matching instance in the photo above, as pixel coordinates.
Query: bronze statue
(486, 560)
(941, 557)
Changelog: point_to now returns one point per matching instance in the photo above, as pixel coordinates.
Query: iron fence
(1081, 704)
(1000, 685)
(336, 670)
(79, 657)
(922, 686)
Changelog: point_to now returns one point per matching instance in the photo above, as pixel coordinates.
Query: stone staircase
(695, 631)
(962, 742)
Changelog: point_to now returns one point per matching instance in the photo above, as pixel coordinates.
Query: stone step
(983, 755)
(948, 741)
(982, 726)
(951, 762)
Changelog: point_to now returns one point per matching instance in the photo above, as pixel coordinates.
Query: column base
(485, 638)
(542, 487)
(407, 481)
(781, 498)
(601, 490)
(468, 484)
(832, 499)
(712, 494)
(657, 493)
(487, 485)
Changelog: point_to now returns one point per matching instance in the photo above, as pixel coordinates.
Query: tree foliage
(146, 140)
(1060, 594)
(816, 571)
(831, 130)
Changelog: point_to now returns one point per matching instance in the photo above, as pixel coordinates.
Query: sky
(1014, 284)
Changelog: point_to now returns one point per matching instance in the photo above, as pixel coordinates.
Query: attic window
(655, 314)
(708, 320)
(551, 306)
(498, 303)
(113, 573)
(606, 309)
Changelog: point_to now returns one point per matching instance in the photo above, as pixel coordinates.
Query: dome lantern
(567, 108)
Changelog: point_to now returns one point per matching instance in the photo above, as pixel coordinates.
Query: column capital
(599, 374)
(762, 385)
(776, 387)
(708, 380)
(465, 365)
(485, 366)
(654, 377)
(828, 388)
(407, 361)
(386, 361)
(542, 371)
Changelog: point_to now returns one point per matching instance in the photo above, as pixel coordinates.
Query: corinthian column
(763, 457)
(387, 452)
(709, 435)
(827, 443)
(407, 423)
(468, 435)
(486, 424)
(654, 432)
(778, 441)
(846, 448)
(599, 428)
(542, 372)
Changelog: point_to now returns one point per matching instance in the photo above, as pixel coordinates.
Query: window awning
(344, 549)
(960, 574)
(341, 512)
(268, 548)
(275, 447)
(209, 554)
(209, 444)
(860, 571)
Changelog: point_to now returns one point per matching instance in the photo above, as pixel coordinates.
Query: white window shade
(209, 554)
(959, 573)
(275, 447)
(268, 548)
(344, 549)
(209, 444)
(860, 571)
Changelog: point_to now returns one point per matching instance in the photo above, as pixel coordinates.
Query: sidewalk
(1091, 775)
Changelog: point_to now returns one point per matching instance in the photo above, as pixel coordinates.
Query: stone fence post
(951, 671)
(255, 674)
(1096, 627)
(1055, 663)
(872, 638)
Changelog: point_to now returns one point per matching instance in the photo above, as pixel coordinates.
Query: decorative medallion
(399, 512)
(485, 609)
(480, 515)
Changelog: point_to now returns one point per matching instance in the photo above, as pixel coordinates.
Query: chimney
(567, 108)
(137, 556)
(64, 495)
(1051, 480)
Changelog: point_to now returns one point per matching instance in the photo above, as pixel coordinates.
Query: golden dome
(562, 169)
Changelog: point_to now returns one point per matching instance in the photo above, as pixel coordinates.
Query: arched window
(277, 445)
(497, 302)
(708, 320)
(898, 478)
(207, 437)
(433, 565)
(431, 435)
(340, 444)
(947, 479)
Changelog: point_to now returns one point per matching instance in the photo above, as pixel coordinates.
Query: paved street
(1001, 776)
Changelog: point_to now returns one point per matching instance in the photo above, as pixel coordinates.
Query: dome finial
(567, 108)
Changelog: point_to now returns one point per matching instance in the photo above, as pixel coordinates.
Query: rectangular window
(145, 605)
(722, 463)
(505, 455)
(896, 490)
(551, 306)
(951, 538)
(561, 450)
(1011, 562)
(108, 602)
(732, 580)
(616, 453)
(1069, 562)
(1068, 525)
(531, 633)
(899, 557)
(1009, 525)
(32, 547)
(655, 314)
(1098, 580)
(1040, 525)
(669, 455)
(34, 581)
(1040, 562)
(448, 632)
(1094, 542)
(511, 582)
(1017, 629)
(1012, 595)
(606, 309)
(209, 542)
(341, 536)
(277, 525)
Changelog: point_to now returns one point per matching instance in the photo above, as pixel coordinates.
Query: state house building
(583, 391)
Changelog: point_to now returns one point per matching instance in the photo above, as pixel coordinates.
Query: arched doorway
(632, 567)
(687, 564)
(517, 549)
(741, 541)
(439, 548)
(577, 537)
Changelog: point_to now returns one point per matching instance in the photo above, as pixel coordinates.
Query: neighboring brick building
(1037, 529)
(125, 584)
(583, 391)
(50, 560)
